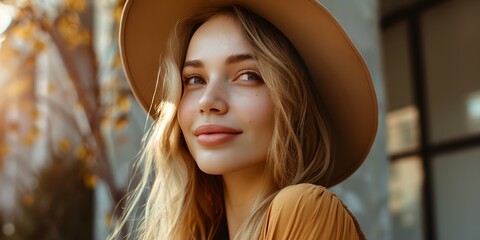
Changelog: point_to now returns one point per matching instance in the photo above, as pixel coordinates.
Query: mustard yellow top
(307, 211)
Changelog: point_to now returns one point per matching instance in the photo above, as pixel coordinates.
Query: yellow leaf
(117, 61)
(90, 180)
(82, 152)
(30, 61)
(46, 22)
(28, 200)
(105, 121)
(34, 114)
(121, 122)
(23, 31)
(35, 131)
(76, 5)
(19, 87)
(38, 46)
(4, 151)
(26, 105)
(69, 27)
(118, 13)
(28, 141)
(63, 24)
(123, 102)
(12, 127)
(64, 145)
(108, 219)
(9, 52)
(85, 37)
(31, 136)
(87, 161)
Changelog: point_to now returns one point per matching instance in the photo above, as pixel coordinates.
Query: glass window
(406, 181)
(397, 67)
(403, 130)
(456, 184)
(389, 6)
(451, 37)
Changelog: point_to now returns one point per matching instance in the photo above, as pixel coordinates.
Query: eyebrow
(239, 58)
(230, 60)
(193, 63)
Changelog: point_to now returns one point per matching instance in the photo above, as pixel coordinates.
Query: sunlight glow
(6, 16)
(473, 110)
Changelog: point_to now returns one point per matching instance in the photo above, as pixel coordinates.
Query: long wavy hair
(174, 199)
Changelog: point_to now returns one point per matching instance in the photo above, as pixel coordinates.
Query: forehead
(220, 35)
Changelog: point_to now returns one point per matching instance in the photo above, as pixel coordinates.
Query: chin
(220, 166)
(212, 167)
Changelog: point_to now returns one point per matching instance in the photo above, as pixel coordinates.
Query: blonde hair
(182, 202)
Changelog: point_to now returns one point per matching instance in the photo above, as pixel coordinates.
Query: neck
(241, 191)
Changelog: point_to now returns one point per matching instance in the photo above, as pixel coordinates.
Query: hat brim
(339, 72)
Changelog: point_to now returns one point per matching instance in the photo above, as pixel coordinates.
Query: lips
(211, 135)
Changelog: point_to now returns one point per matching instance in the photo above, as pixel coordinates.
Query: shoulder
(305, 193)
(301, 198)
(304, 200)
(307, 211)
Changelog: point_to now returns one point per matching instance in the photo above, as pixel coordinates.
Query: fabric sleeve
(307, 211)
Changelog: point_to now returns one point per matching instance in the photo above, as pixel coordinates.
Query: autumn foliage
(53, 107)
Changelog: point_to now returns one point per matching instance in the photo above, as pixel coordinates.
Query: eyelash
(187, 78)
(255, 74)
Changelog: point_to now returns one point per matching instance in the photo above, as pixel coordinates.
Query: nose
(213, 99)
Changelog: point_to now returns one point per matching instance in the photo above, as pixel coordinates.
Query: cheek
(185, 110)
(266, 109)
(259, 113)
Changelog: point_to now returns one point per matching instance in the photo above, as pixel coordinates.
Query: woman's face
(226, 113)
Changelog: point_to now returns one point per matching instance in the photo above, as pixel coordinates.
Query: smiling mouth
(212, 135)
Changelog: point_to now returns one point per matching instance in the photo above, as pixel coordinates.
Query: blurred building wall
(366, 191)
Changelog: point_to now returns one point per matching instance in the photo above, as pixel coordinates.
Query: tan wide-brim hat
(341, 77)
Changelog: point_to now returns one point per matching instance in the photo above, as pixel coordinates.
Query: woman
(253, 119)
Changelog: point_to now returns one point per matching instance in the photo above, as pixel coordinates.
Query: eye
(193, 80)
(250, 76)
